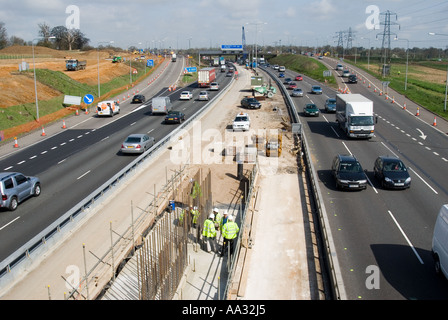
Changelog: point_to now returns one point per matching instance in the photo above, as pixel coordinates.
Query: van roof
(444, 212)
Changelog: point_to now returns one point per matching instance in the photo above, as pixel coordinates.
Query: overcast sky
(211, 23)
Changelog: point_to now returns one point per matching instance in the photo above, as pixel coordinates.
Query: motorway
(382, 237)
(75, 162)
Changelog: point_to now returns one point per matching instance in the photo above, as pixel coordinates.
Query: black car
(174, 117)
(352, 78)
(138, 98)
(392, 173)
(251, 103)
(348, 173)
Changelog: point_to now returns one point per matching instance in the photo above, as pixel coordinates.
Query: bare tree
(45, 33)
(3, 36)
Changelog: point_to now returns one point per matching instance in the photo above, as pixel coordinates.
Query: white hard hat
(195, 208)
(215, 210)
(211, 216)
(230, 218)
(225, 212)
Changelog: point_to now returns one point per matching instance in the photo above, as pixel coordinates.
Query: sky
(180, 24)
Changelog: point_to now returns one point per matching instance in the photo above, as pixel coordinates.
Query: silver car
(16, 187)
(297, 92)
(137, 143)
(203, 95)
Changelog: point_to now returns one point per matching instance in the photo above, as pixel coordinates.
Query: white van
(440, 242)
(107, 108)
(161, 105)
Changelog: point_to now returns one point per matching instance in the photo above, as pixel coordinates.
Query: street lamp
(256, 36)
(35, 83)
(407, 59)
(446, 83)
(130, 69)
(98, 49)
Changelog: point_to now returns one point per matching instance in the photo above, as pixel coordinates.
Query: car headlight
(388, 179)
(362, 181)
(408, 180)
(344, 181)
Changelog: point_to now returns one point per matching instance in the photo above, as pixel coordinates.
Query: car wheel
(37, 190)
(437, 266)
(13, 204)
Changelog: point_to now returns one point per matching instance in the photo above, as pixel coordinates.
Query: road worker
(229, 233)
(209, 233)
(195, 215)
(218, 218)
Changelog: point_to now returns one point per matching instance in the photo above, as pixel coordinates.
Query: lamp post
(98, 49)
(256, 37)
(130, 69)
(368, 53)
(446, 83)
(407, 60)
(34, 71)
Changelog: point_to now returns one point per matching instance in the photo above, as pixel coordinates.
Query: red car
(292, 85)
(299, 78)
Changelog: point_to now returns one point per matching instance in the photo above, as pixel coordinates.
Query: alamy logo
(72, 21)
(373, 20)
(373, 280)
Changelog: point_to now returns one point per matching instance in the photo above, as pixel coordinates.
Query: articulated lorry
(75, 65)
(206, 76)
(354, 113)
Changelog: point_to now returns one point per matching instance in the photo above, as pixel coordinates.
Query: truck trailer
(206, 76)
(75, 65)
(354, 113)
(173, 57)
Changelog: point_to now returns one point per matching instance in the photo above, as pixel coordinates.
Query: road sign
(150, 63)
(88, 99)
(327, 73)
(72, 100)
(190, 69)
(232, 47)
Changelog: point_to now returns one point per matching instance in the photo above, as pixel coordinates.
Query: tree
(16, 41)
(3, 36)
(68, 39)
(45, 33)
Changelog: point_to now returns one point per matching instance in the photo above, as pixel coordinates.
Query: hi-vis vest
(195, 214)
(209, 229)
(229, 230)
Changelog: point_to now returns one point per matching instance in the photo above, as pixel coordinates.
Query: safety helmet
(215, 210)
(225, 212)
(230, 218)
(195, 208)
(211, 216)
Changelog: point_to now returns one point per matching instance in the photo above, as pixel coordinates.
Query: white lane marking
(347, 148)
(406, 238)
(424, 181)
(21, 162)
(7, 168)
(33, 157)
(61, 161)
(132, 123)
(150, 131)
(83, 175)
(105, 138)
(9, 223)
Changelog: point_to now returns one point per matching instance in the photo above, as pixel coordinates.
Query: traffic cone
(368, 85)
(393, 99)
(43, 132)
(77, 112)
(435, 122)
(387, 97)
(87, 111)
(418, 111)
(16, 145)
(381, 93)
(404, 106)
(63, 124)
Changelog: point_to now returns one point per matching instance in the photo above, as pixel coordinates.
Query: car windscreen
(132, 140)
(394, 166)
(361, 121)
(346, 167)
(241, 119)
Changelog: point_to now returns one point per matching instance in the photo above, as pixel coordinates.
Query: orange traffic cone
(404, 106)
(77, 112)
(435, 122)
(418, 111)
(63, 124)
(16, 145)
(43, 132)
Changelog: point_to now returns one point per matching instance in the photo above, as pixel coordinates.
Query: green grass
(429, 95)
(304, 65)
(20, 114)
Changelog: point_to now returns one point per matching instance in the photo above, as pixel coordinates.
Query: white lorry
(354, 113)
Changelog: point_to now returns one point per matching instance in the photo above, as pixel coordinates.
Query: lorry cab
(161, 105)
(107, 108)
(440, 242)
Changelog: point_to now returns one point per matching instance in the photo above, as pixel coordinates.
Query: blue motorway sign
(231, 47)
(88, 99)
(150, 63)
(190, 69)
